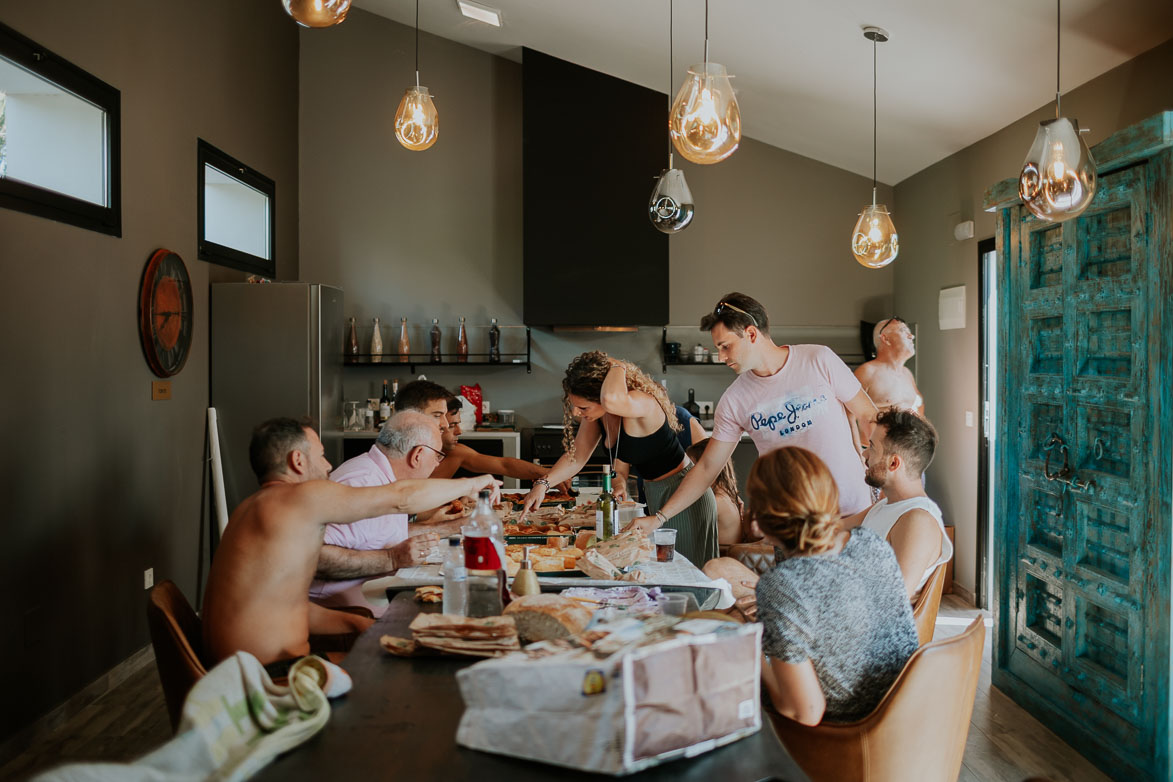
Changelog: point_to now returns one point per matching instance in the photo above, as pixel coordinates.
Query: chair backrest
(177, 636)
(917, 731)
(927, 604)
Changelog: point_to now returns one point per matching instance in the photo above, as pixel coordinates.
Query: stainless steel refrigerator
(276, 350)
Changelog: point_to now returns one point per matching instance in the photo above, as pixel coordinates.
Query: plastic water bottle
(455, 579)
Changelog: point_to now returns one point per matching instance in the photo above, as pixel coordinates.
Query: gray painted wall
(99, 482)
(930, 204)
(438, 233)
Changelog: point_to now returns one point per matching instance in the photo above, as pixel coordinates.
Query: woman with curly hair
(617, 403)
(837, 627)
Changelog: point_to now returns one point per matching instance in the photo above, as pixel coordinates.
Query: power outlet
(969, 418)
(148, 578)
(707, 408)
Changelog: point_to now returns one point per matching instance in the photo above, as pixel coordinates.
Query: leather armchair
(918, 730)
(924, 611)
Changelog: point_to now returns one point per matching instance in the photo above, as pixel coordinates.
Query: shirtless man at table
(885, 378)
(256, 599)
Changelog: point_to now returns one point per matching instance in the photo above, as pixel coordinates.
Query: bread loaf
(547, 617)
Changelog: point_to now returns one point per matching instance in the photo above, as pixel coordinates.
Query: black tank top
(653, 456)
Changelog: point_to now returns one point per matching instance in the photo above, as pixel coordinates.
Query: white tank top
(883, 517)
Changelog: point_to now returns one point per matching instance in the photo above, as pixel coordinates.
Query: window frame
(50, 204)
(221, 254)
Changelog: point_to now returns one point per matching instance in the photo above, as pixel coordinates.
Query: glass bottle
(404, 342)
(455, 579)
(384, 406)
(494, 343)
(484, 556)
(607, 512)
(436, 357)
(394, 394)
(462, 343)
(351, 346)
(376, 344)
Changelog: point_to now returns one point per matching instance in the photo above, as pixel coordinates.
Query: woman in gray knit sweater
(837, 626)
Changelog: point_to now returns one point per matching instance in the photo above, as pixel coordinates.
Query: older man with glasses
(784, 395)
(886, 378)
(408, 446)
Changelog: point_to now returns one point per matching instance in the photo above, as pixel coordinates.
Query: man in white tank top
(901, 447)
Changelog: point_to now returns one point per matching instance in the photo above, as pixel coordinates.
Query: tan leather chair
(917, 732)
(177, 635)
(927, 605)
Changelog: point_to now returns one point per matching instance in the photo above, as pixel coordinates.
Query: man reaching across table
(783, 395)
(256, 599)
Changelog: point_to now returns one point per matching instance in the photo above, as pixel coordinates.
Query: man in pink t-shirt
(783, 395)
(408, 446)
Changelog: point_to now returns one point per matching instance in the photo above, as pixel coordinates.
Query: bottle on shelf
(455, 579)
(376, 343)
(484, 556)
(404, 342)
(351, 346)
(494, 343)
(462, 343)
(691, 405)
(607, 511)
(384, 406)
(394, 394)
(435, 333)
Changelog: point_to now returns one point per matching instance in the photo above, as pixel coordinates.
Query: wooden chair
(927, 605)
(177, 635)
(917, 731)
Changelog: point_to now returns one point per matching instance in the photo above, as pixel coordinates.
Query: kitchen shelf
(392, 360)
(685, 359)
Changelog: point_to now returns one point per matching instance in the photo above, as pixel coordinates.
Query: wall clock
(165, 313)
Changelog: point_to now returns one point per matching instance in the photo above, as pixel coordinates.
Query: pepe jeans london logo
(795, 415)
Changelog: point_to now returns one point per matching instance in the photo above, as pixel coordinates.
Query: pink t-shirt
(800, 404)
(368, 469)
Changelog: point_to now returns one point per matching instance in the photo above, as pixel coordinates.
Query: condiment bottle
(436, 358)
(462, 343)
(404, 343)
(494, 343)
(526, 580)
(376, 344)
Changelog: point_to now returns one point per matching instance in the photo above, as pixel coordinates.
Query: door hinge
(986, 419)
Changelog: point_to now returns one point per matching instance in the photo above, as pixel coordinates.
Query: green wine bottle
(607, 515)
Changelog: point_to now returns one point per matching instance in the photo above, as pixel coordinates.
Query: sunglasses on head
(727, 306)
(889, 323)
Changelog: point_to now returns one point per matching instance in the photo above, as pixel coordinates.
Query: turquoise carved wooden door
(1083, 467)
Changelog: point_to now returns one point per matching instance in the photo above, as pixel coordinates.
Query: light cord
(417, 43)
(1058, 49)
(874, 122)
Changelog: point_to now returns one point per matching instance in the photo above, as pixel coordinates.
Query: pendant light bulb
(317, 13)
(705, 121)
(874, 242)
(1058, 178)
(671, 207)
(416, 122)
(417, 125)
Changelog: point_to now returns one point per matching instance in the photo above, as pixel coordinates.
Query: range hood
(592, 259)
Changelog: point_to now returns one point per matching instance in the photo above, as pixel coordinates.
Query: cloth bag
(638, 708)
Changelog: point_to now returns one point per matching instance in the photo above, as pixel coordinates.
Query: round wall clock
(165, 313)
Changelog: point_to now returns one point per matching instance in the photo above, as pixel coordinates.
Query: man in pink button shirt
(408, 446)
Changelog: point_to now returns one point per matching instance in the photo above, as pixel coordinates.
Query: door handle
(1064, 474)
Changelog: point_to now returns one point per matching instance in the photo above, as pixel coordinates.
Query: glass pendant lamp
(705, 122)
(1058, 179)
(317, 13)
(670, 207)
(416, 122)
(874, 242)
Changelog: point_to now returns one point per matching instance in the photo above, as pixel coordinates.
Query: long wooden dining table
(399, 722)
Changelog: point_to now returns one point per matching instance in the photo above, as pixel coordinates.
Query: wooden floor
(1005, 743)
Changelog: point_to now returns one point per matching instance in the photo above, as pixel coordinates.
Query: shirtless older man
(256, 599)
(885, 378)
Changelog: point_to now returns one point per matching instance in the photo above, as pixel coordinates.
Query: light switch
(160, 389)
(969, 418)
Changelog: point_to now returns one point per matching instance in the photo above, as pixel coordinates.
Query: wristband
(542, 481)
(660, 515)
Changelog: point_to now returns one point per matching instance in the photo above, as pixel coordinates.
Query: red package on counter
(473, 394)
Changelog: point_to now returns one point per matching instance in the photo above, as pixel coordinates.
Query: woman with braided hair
(837, 627)
(631, 414)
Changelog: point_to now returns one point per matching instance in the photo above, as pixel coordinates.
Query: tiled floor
(1005, 743)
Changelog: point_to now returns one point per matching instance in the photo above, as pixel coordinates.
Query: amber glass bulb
(317, 13)
(874, 242)
(416, 121)
(705, 122)
(1058, 179)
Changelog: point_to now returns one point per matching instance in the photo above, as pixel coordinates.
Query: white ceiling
(953, 72)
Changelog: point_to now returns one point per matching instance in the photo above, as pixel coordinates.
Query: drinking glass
(665, 540)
